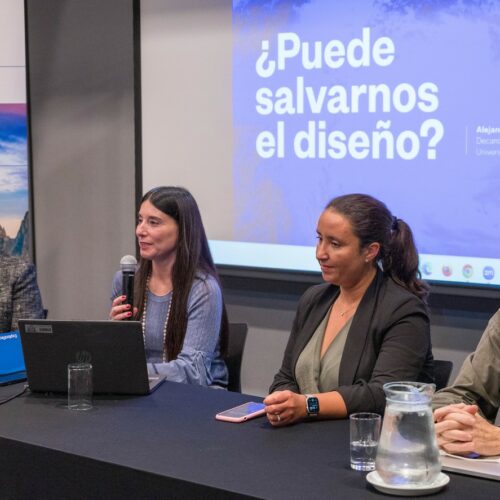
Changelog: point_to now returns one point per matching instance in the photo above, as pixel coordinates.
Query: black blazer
(389, 340)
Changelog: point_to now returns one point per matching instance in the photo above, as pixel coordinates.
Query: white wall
(81, 91)
(186, 51)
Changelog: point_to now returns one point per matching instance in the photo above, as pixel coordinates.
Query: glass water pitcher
(407, 452)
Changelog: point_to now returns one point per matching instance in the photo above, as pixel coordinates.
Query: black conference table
(168, 445)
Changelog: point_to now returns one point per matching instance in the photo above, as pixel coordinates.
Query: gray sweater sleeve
(116, 287)
(199, 361)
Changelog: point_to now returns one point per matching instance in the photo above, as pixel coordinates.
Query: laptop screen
(11, 353)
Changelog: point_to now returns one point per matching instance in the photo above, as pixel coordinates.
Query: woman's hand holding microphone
(120, 311)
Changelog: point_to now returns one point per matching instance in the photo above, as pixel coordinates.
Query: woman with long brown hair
(177, 291)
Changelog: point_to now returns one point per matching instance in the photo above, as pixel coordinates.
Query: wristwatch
(312, 405)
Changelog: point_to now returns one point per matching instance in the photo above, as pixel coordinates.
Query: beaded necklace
(143, 320)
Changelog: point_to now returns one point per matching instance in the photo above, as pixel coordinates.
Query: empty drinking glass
(79, 386)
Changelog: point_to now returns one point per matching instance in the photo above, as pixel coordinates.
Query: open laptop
(114, 348)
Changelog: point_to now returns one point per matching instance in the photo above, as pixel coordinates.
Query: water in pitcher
(407, 452)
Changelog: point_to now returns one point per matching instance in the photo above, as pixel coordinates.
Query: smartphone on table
(243, 412)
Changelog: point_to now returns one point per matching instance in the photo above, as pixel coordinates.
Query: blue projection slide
(400, 100)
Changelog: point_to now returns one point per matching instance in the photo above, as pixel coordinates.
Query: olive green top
(315, 374)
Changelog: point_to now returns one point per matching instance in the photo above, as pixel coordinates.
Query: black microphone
(128, 263)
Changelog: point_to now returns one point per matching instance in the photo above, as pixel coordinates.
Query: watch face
(312, 405)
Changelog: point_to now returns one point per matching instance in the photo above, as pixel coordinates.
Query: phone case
(226, 415)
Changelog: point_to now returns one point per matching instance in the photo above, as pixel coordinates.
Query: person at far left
(19, 293)
(176, 291)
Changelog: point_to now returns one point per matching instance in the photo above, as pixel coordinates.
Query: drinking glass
(79, 386)
(365, 432)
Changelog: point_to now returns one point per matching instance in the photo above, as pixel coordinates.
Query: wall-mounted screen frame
(14, 168)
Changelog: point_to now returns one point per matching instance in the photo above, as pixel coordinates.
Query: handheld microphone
(128, 264)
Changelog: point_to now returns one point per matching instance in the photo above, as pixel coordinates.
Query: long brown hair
(372, 222)
(192, 256)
